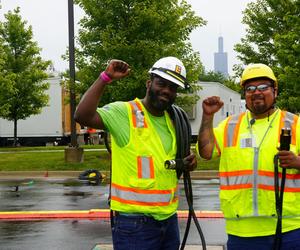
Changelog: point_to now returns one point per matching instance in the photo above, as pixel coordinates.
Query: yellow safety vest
(247, 178)
(140, 182)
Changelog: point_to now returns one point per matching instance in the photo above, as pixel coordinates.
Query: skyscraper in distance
(220, 59)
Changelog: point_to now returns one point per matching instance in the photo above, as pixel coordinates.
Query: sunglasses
(261, 88)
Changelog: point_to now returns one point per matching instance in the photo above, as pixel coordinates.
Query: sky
(49, 21)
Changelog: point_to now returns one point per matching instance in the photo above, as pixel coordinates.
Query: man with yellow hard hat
(247, 145)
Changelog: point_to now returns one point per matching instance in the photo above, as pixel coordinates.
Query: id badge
(248, 142)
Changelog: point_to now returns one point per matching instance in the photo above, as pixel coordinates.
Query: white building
(231, 99)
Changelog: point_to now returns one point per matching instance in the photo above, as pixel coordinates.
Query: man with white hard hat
(144, 194)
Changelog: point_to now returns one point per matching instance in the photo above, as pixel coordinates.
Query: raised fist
(211, 105)
(117, 69)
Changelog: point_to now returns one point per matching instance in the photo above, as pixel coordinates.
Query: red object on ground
(92, 214)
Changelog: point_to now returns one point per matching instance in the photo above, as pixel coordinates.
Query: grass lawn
(36, 159)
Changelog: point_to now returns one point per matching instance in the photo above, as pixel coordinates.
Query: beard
(259, 108)
(160, 104)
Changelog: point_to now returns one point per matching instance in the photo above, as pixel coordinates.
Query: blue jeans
(290, 241)
(145, 233)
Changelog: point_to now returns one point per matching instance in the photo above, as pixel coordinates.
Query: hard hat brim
(167, 77)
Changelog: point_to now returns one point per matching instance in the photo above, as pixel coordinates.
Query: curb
(195, 175)
(93, 214)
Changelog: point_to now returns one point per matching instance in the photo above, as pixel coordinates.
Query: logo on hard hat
(178, 69)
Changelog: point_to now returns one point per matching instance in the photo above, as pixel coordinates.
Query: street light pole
(72, 71)
(72, 153)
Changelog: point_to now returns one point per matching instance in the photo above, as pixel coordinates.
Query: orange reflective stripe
(293, 176)
(271, 174)
(141, 191)
(236, 129)
(138, 118)
(294, 126)
(235, 173)
(271, 188)
(266, 187)
(282, 116)
(217, 146)
(287, 189)
(145, 167)
(236, 186)
(143, 203)
(139, 166)
(151, 168)
(226, 132)
(266, 173)
(138, 105)
(133, 114)
(137, 196)
(231, 130)
(140, 108)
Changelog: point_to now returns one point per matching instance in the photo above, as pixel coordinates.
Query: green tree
(23, 73)
(212, 76)
(273, 38)
(138, 32)
(4, 83)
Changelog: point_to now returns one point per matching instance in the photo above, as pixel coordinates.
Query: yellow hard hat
(257, 70)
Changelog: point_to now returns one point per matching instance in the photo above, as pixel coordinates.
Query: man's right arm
(210, 106)
(86, 113)
(206, 137)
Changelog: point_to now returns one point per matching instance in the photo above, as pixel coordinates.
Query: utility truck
(51, 126)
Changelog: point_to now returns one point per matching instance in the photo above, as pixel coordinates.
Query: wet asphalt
(30, 194)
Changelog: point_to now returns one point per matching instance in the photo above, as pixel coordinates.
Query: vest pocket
(236, 203)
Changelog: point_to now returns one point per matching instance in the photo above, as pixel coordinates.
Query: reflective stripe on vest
(235, 180)
(242, 179)
(231, 130)
(145, 167)
(288, 120)
(138, 118)
(143, 197)
(266, 181)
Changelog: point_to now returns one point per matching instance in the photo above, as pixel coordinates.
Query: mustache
(257, 97)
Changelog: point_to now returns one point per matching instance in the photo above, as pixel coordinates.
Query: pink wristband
(105, 77)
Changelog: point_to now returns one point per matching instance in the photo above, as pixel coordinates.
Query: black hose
(278, 202)
(106, 142)
(285, 141)
(183, 138)
(108, 148)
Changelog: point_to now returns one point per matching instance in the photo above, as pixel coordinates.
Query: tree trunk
(15, 132)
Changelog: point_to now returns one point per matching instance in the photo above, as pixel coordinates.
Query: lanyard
(270, 125)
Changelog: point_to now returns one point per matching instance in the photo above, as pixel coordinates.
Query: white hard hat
(171, 69)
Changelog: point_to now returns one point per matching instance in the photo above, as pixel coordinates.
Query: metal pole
(72, 71)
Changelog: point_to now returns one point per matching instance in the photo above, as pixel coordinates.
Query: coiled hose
(183, 138)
